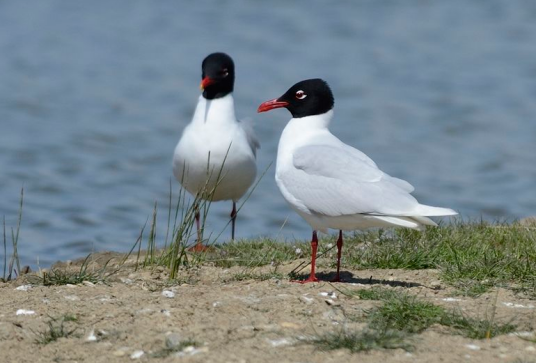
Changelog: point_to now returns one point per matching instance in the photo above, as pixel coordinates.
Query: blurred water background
(94, 95)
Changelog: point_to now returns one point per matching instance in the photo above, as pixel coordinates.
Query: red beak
(270, 105)
(206, 82)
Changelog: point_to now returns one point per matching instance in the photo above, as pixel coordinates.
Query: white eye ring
(300, 95)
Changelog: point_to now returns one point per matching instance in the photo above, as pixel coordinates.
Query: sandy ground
(136, 314)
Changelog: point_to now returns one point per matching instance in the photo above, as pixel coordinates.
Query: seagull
(215, 157)
(331, 184)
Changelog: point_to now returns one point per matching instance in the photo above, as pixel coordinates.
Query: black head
(218, 75)
(305, 98)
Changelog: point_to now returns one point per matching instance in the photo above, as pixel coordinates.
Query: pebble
(330, 294)
(168, 293)
(279, 342)
(530, 348)
(24, 287)
(472, 346)
(119, 353)
(72, 297)
(289, 325)
(91, 336)
(137, 354)
(173, 340)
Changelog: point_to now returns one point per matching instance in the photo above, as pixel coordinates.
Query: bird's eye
(224, 72)
(300, 95)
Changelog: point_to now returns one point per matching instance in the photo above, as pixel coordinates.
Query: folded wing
(336, 180)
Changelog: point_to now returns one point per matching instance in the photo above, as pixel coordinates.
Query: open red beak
(270, 105)
(206, 82)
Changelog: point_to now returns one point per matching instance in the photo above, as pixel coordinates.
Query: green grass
(9, 269)
(57, 276)
(404, 313)
(254, 253)
(399, 317)
(181, 233)
(475, 328)
(477, 255)
(471, 256)
(362, 341)
(56, 329)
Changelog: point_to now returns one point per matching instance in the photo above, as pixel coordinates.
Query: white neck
(311, 123)
(299, 132)
(216, 111)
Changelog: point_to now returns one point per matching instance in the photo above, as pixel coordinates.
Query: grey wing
(333, 181)
(253, 141)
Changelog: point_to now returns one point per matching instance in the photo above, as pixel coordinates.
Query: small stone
(472, 346)
(173, 340)
(330, 294)
(119, 353)
(279, 342)
(530, 348)
(137, 354)
(436, 284)
(24, 287)
(88, 283)
(91, 336)
(289, 325)
(168, 293)
(71, 297)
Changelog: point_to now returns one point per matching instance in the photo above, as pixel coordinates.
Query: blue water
(94, 95)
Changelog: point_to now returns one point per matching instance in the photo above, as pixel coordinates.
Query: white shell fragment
(25, 312)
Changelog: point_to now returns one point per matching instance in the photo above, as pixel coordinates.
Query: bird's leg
(199, 247)
(339, 251)
(233, 220)
(314, 246)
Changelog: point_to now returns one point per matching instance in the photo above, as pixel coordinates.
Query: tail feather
(429, 211)
(407, 222)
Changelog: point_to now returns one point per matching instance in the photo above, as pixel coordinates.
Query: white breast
(215, 146)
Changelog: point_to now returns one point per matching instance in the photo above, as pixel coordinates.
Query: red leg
(339, 251)
(233, 220)
(314, 246)
(199, 247)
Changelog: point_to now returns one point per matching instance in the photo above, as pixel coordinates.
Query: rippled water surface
(94, 95)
